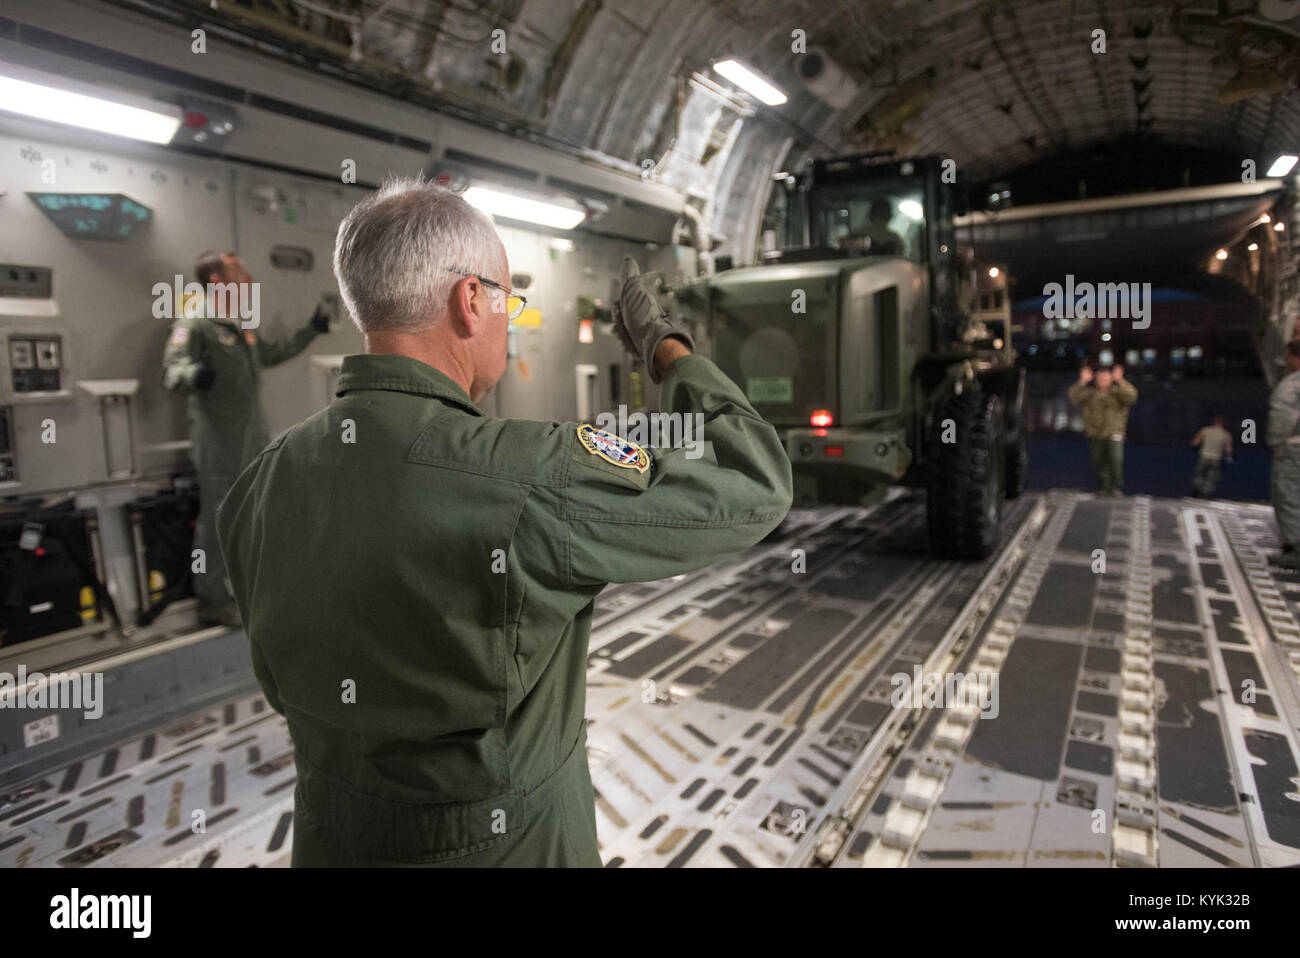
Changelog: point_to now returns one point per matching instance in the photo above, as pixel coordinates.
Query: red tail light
(822, 418)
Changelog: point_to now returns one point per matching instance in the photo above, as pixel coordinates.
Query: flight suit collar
(401, 374)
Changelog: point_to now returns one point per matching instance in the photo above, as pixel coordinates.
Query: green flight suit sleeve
(272, 351)
(1126, 392)
(183, 356)
(695, 504)
(1077, 393)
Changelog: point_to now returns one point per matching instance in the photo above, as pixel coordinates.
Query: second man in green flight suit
(216, 363)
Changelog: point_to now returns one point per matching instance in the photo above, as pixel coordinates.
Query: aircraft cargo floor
(1140, 662)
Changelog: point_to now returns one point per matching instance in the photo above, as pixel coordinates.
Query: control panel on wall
(34, 342)
(36, 363)
(26, 282)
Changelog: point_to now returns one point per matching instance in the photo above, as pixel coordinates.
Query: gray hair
(396, 251)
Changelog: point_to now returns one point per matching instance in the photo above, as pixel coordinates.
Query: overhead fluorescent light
(1283, 165)
(53, 99)
(514, 207)
(749, 81)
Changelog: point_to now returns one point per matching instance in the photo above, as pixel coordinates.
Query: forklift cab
(873, 205)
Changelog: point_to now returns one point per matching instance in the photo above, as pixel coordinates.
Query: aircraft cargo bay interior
(692, 434)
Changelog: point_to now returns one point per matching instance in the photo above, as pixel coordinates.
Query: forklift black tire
(966, 483)
(1017, 468)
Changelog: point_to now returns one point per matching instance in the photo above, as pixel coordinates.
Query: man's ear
(465, 296)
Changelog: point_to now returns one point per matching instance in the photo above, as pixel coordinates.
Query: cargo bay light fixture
(57, 99)
(1283, 165)
(526, 209)
(749, 81)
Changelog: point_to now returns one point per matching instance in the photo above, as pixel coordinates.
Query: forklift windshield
(876, 219)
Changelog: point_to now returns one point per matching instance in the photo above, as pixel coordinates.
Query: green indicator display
(770, 389)
(106, 216)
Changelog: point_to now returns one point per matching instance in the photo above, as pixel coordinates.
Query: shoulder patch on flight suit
(226, 338)
(180, 335)
(250, 337)
(613, 449)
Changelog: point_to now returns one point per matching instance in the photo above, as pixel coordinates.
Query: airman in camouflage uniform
(1106, 403)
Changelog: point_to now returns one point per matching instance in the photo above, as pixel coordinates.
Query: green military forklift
(881, 352)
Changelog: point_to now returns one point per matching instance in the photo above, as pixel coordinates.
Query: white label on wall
(41, 730)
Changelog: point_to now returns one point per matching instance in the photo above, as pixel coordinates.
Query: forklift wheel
(967, 474)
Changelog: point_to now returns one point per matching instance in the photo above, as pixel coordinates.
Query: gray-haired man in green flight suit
(216, 363)
(417, 577)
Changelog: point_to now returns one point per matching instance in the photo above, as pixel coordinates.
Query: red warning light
(833, 450)
(822, 418)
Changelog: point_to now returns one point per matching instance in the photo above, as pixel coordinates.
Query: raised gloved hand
(203, 377)
(327, 310)
(640, 323)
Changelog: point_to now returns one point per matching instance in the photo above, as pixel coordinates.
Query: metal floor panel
(1148, 662)
(213, 789)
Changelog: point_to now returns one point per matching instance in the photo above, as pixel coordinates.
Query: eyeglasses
(514, 302)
